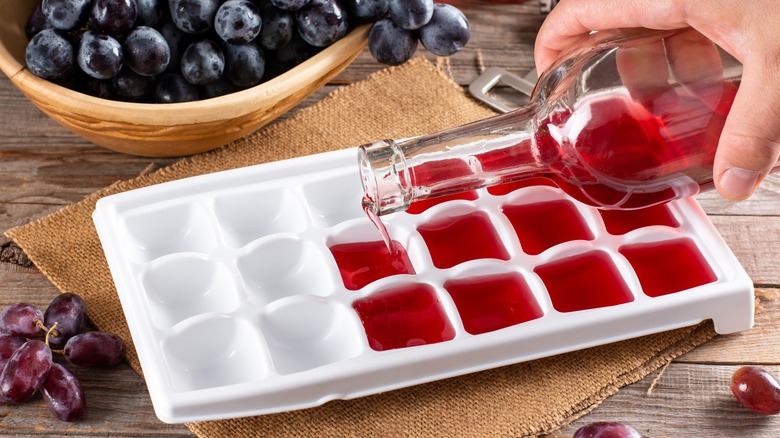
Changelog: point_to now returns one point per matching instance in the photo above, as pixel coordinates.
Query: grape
(150, 12)
(277, 29)
(66, 14)
(129, 86)
(172, 88)
(220, 87)
(287, 57)
(237, 21)
(606, 430)
(322, 22)
(177, 42)
(391, 44)
(36, 22)
(21, 319)
(756, 390)
(69, 312)
(146, 51)
(193, 16)
(100, 55)
(447, 32)
(203, 62)
(49, 55)
(244, 64)
(114, 17)
(93, 87)
(95, 349)
(25, 371)
(290, 5)
(8, 345)
(367, 10)
(411, 14)
(63, 394)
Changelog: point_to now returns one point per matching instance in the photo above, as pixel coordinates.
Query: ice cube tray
(237, 306)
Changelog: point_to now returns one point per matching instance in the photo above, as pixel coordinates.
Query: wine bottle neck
(396, 173)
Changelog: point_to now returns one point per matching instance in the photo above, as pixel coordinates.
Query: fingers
(750, 143)
(573, 18)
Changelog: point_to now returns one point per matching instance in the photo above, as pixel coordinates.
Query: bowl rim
(219, 108)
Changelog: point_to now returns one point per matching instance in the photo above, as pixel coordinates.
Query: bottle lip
(368, 179)
(386, 188)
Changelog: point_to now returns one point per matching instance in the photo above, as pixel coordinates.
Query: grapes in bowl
(100, 90)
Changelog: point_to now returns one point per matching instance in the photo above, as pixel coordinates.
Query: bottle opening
(382, 172)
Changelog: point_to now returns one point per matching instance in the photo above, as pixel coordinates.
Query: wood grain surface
(44, 167)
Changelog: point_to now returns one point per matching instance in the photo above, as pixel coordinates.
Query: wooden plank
(760, 345)
(755, 240)
(689, 400)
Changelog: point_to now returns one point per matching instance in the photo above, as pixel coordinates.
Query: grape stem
(51, 331)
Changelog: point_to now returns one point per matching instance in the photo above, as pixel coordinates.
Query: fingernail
(739, 183)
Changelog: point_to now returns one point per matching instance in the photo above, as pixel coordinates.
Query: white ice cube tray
(236, 305)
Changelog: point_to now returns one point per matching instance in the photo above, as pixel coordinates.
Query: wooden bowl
(167, 130)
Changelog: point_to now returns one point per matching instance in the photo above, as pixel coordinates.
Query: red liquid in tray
(362, 263)
(542, 225)
(403, 316)
(493, 302)
(585, 281)
(620, 222)
(667, 267)
(452, 241)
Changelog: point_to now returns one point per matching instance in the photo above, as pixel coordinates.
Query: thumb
(750, 142)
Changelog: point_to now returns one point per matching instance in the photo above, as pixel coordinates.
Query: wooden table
(44, 167)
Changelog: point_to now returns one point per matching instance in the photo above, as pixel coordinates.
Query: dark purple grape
(49, 55)
(277, 29)
(244, 64)
(114, 17)
(95, 349)
(146, 51)
(100, 55)
(129, 86)
(220, 87)
(69, 312)
(66, 14)
(150, 12)
(63, 394)
(177, 42)
(390, 44)
(36, 22)
(322, 22)
(203, 62)
(606, 430)
(411, 14)
(289, 56)
(447, 32)
(367, 10)
(8, 345)
(237, 21)
(172, 88)
(756, 390)
(193, 16)
(25, 371)
(290, 5)
(101, 88)
(21, 319)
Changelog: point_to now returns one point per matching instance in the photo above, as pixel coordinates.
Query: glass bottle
(625, 119)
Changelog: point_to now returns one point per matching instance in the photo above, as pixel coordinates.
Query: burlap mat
(521, 400)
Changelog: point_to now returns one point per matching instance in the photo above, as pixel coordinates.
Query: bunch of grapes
(443, 29)
(169, 51)
(26, 361)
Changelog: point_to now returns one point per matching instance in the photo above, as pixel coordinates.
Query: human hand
(750, 142)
